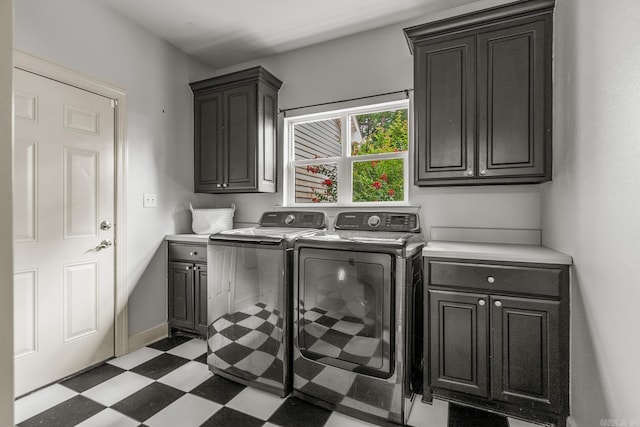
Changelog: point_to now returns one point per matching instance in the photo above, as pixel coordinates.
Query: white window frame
(345, 161)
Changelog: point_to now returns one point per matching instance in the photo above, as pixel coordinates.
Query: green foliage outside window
(382, 180)
(373, 180)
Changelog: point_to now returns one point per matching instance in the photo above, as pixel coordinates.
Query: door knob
(104, 245)
(105, 225)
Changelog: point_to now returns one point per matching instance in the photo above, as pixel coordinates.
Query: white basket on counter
(210, 221)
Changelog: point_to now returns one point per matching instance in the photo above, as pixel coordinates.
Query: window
(348, 157)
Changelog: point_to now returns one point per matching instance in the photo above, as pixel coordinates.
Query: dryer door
(344, 317)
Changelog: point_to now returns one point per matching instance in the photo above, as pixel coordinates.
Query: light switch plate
(149, 200)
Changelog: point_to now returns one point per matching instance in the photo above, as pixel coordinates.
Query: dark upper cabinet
(483, 98)
(235, 132)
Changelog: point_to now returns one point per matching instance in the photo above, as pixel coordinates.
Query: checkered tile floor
(168, 384)
(342, 336)
(248, 344)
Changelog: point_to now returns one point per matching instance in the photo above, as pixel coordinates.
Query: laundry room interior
(347, 214)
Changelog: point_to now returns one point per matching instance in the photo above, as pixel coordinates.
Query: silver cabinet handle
(483, 172)
(196, 268)
(498, 304)
(104, 245)
(481, 302)
(491, 279)
(188, 267)
(218, 185)
(225, 185)
(194, 253)
(469, 172)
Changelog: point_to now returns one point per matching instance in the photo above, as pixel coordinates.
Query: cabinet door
(200, 277)
(445, 109)
(458, 336)
(514, 101)
(526, 361)
(240, 130)
(209, 147)
(181, 284)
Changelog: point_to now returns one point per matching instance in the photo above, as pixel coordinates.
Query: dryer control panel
(378, 221)
(293, 219)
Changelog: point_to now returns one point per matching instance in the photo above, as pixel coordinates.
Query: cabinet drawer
(188, 252)
(529, 280)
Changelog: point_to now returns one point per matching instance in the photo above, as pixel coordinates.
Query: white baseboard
(148, 336)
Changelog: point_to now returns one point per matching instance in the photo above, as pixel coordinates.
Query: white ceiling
(228, 32)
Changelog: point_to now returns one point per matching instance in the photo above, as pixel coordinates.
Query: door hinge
(114, 102)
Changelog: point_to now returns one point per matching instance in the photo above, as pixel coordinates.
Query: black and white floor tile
(168, 384)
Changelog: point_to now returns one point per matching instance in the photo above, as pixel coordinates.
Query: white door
(63, 190)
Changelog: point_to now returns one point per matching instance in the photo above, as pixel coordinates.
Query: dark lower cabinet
(459, 341)
(525, 343)
(498, 337)
(187, 292)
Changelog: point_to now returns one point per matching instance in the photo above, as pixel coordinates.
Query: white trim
(49, 70)
(344, 163)
(148, 336)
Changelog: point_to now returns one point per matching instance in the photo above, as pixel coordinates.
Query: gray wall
(591, 209)
(85, 37)
(376, 62)
(6, 230)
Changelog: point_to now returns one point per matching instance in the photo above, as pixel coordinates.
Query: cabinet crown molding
(476, 19)
(237, 78)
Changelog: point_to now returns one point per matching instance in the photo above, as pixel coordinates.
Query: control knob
(289, 219)
(373, 221)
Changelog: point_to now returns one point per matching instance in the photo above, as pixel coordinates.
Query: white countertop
(495, 252)
(191, 238)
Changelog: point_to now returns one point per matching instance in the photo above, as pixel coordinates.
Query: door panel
(459, 336)
(511, 99)
(201, 292)
(209, 151)
(240, 128)
(80, 191)
(525, 371)
(181, 309)
(26, 320)
(64, 186)
(445, 109)
(25, 159)
(80, 308)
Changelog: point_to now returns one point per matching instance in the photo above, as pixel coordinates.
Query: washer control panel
(293, 219)
(378, 221)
